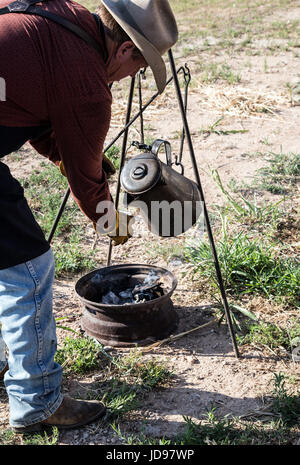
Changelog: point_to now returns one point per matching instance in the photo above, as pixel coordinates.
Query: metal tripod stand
(185, 134)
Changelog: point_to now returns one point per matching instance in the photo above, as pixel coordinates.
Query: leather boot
(71, 413)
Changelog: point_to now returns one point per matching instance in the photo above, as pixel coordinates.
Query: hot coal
(151, 288)
(111, 299)
(149, 283)
(149, 293)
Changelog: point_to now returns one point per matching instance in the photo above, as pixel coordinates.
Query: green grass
(124, 379)
(231, 431)
(213, 129)
(78, 355)
(250, 211)
(270, 335)
(72, 257)
(233, 23)
(248, 266)
(284, 404)
(113, 155)
(217, 72)
(131, 378)
(166, 251)
(277, 428)
(127, 379)
(285, 29)
(280, 175)
(281, 164)
(269, 185)
(42, 439)
(8, 438)
(148, 374)
(179, 6)
(237, 18)
(214, 430)
(44, 190)
(140, 439)
(121, 398)
(218, 431)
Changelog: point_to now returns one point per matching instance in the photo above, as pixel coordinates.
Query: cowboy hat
(151, 26)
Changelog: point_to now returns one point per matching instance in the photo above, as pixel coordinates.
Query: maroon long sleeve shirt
(54, 78)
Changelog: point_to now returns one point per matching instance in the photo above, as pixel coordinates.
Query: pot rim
(95, 305)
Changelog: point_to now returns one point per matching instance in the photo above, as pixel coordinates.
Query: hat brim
(149, 52)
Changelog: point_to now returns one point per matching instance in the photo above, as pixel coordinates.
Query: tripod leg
(209, 231)
(60, 212)
(122, 161)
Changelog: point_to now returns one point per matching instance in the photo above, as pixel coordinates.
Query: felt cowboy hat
(151, 26)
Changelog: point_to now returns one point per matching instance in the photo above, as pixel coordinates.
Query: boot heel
(35, 428)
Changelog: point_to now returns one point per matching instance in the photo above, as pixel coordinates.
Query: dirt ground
(206, 369)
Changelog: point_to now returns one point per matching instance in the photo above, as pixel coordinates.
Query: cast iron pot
(131, 324)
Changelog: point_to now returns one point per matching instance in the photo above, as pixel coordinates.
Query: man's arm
(46, 145)
(77, 138)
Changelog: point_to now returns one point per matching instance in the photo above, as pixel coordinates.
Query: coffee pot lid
(141, 173)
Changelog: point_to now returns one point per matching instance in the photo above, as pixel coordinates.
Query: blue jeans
(28, 329)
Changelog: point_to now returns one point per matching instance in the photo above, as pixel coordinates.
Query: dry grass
(242, 101)
(232, 100)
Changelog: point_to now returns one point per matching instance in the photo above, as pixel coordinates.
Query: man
(58, 98)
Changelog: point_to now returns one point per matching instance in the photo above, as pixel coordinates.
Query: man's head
(143, 30)
(124, 59)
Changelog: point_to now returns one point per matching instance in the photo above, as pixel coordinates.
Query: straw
(177, 336)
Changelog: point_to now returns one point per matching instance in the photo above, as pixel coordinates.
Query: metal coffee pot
(168, 201)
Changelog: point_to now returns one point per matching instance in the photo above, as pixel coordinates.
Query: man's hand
(122, 230)
(62, 168)
(107, 166)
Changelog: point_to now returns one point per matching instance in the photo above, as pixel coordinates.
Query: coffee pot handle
(156, 146)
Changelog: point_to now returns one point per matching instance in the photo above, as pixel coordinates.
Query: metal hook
(187, 74)
(187, 79)
(178, 163)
